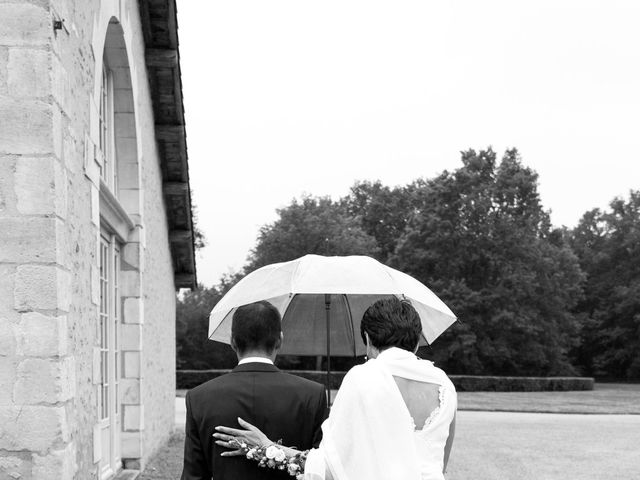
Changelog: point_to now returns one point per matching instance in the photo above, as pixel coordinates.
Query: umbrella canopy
(304, 288)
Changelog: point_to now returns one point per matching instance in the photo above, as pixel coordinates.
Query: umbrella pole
(327, 309)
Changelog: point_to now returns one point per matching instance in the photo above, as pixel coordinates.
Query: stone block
(95, 285)
(131, 362)
(35, 185)
(125, 124)
(24, 24)
(40, 335)
(131, 445)
(14, 467)
(7, 287)
(43, 287)
(137, 234)
(33, 428)
(128, 175)
(127, 151)
(96, 363)
(7, 339)
(130, 283)
(4, 73)
(60, 85)
(57, 130)
(8, 372)
(28, 72)
(131, 337)
(58, 464)
(7, 194)
(133, 417)
(133, 310)
(133, 254)
(62, 188)
(95, 205)
(121, 79)
(131, 200)
(27, 239)
(41, 381)
(123, 101)
(94, 124)
(130, 388)
(27, 126)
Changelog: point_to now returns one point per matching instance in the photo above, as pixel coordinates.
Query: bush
(472, 383)
(187, 379)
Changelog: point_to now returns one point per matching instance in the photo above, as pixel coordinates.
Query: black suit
(283, 406)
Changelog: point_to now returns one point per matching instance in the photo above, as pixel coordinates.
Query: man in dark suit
(283, 406)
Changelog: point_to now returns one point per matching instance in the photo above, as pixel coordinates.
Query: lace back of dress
(436, 411)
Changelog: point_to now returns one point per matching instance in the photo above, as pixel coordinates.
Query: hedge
(187, 379)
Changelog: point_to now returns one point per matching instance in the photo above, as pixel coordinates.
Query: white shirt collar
(255, 360)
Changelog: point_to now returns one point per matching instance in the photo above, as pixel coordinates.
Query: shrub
(187, 379)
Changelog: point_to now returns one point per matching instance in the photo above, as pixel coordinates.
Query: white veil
(370, 433)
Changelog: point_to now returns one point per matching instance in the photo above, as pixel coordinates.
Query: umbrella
(322, 301)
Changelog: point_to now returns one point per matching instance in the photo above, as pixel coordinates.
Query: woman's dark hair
(256, 326)
(391, 322)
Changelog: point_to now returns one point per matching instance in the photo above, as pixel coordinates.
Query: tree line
(532, 299)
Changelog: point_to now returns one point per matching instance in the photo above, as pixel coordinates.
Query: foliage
(194, 349)
(479, 237)
(383, 212)
(608, 246)
(312, 225)
(481, 240)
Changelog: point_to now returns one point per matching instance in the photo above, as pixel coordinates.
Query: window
(108, 171)
(108, 335)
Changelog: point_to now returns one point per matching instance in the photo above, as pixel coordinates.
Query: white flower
(271, 452)
(280, 456)
(293, 469)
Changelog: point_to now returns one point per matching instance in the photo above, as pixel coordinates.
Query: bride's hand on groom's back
(251, 435)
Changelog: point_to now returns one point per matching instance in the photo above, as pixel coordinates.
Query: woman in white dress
(393, 417)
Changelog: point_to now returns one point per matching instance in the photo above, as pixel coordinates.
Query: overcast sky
(291, 97)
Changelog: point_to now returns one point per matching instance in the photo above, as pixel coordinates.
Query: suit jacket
(283, 406)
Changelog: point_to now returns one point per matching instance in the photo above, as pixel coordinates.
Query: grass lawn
(502, 443)
(605, 398)
(538, 446)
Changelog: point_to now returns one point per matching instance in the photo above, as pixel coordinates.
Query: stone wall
(49, 234)
(37, 361)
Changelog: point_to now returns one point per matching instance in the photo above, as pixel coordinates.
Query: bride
(393, 417)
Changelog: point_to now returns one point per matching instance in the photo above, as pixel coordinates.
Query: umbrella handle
(327, 309)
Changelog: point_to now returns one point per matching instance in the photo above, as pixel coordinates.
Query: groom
(283, 406)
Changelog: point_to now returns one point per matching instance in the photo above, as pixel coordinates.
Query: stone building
(95, 234)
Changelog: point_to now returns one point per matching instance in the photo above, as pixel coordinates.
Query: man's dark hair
(391, 322)
(256, 326)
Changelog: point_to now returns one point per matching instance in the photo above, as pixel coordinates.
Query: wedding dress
(370, 433)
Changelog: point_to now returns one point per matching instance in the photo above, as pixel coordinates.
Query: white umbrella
(322, 300)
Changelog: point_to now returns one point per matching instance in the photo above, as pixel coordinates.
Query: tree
(199, 238)
(383, 212)
(608, 246)
(312, 225)
(481, 240)
(194, 350)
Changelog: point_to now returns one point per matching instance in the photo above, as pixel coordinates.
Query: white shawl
(370, 433)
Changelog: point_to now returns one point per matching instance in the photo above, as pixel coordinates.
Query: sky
(285, 98)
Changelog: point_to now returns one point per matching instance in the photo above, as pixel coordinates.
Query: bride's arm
(252, 435)
(447, 447)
